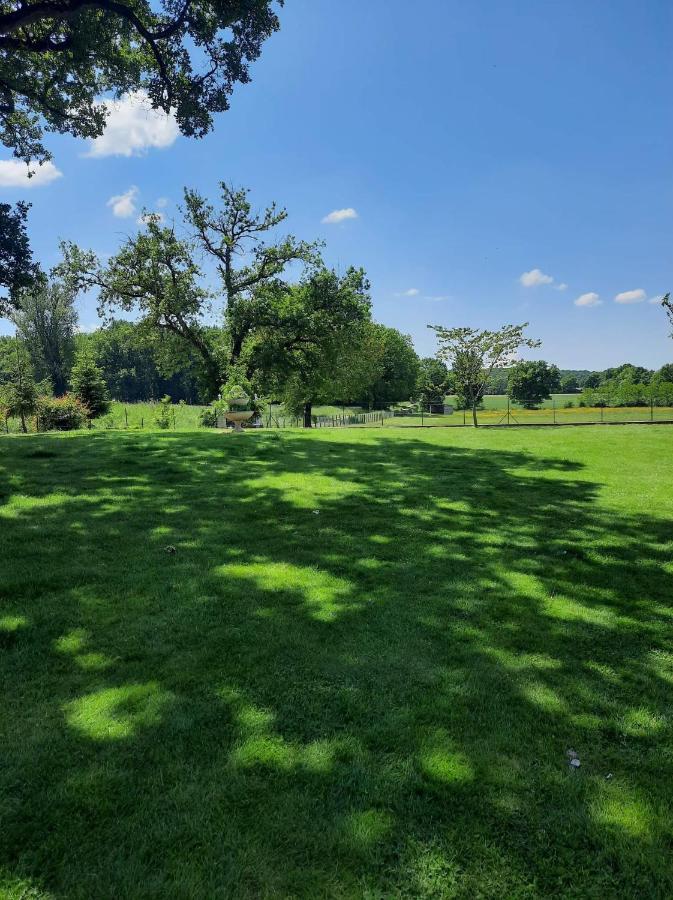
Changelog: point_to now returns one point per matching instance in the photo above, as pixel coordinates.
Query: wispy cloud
(635, 296)
(436, 298)
(162, 202)
(589, 299)
(132, 127)
(561, 287)
(123, 205)
(411, 292)
(657, 299)
(534, 278)
(14, 173)
(339, 215)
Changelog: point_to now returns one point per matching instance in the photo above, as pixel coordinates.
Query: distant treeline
(576, 380)
(139, 364)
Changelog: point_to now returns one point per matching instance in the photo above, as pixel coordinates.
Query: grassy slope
(357, 676)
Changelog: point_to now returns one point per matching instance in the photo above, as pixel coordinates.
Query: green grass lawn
(357, 676)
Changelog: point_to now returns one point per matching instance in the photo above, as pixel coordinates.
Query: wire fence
(554, 414)
(343, 420)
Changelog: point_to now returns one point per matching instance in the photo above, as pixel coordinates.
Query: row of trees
(302, 341)
(572, 381)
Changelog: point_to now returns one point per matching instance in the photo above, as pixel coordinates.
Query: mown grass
(339, 663)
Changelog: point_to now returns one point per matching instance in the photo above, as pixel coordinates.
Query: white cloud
(561, 287)
(339, 215)
(657, 299)
(123, 205)
(636, 296)
(534, 278)
(162, 202)
(132, 126)
(14, 173)
(590, 299)
(146, 217)
(437, 297)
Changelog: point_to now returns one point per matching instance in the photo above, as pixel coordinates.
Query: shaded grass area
(357, 675)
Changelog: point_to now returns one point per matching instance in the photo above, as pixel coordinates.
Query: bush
(568, 404)
(208, 417)
(163, 416)
(65, 413)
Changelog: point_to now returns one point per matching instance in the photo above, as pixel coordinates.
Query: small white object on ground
(575, 763)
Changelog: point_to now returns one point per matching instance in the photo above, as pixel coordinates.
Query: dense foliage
(532, 381)
(17, 269)
(66, 413)
(89, 385)
(434, 381)
(19, 392)
(58, 57)
(46, 321)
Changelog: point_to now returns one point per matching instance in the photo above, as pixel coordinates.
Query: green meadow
(341, 663)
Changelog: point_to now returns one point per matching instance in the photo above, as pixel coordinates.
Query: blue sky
(475, 141)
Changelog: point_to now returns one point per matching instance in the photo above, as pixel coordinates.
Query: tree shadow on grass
(319, 666)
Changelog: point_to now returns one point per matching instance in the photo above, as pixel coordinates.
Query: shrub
(65, 413)
(162, 418)
(208, 417)
(568, 404)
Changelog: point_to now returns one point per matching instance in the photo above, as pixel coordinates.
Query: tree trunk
(23, 423)
(474, 414)
(308, 422)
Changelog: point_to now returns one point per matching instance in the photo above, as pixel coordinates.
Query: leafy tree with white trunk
(473, 354)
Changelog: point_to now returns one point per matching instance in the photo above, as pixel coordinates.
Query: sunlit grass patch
(117, 713)
(324, 595)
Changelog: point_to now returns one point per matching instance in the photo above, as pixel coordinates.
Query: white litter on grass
(573, 758)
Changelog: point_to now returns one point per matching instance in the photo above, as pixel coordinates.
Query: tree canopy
(46, 321)
(59, 57)
(397, 369)
(433, 381)
(474, 354)
(17, 269)
(532, 381)
(156, 274)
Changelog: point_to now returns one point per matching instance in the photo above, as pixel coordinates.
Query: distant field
(143, 415)
(546, 416)
(499, 401)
